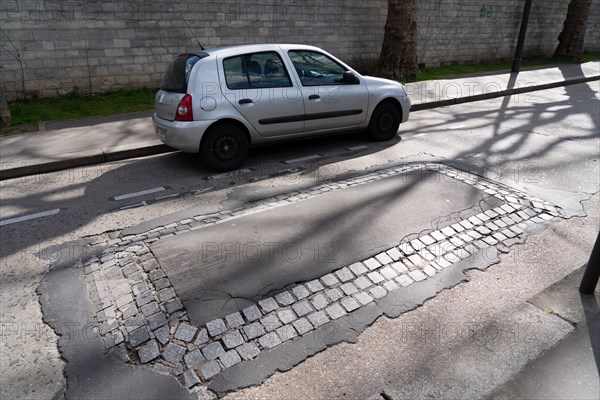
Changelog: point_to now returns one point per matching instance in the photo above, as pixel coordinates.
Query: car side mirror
(349, 77)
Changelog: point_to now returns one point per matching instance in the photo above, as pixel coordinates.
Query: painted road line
(143, 192)
(301, 159)
(29, 217)
(142, 204)
(287, 171)
(227, 174)
(356, 148)
(167, 196)
(203, 190)
(259, 178)
(276, 174)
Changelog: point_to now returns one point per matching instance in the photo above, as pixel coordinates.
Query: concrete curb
(85, 158)
(501, 93)
(99, 156)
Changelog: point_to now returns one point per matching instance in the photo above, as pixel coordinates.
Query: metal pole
(592, 271)
(516, 67)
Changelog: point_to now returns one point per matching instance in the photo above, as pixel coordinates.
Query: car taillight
(184, 109)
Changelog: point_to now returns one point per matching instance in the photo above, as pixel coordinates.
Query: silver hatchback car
(218, 102)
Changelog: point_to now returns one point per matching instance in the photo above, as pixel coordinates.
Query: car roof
(228, 50)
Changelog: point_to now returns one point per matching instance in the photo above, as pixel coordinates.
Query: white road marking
(289, 170)
(275, 174)
(355, 148)
(227, 174)
(307, 158)
(143, 192)
(28, 217)
(414, 136)
(203, 190)
(259, 178)
(167, 196)
(143, 203)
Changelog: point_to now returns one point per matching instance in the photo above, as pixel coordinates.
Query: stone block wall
(473, 31)
(51, 47)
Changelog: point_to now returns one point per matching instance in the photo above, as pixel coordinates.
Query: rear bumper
(182, 135)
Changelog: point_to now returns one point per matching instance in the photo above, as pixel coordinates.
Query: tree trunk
(398, 58)
(570, 40)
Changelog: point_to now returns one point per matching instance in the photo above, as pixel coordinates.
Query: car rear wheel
(224, 147)
(384, 122)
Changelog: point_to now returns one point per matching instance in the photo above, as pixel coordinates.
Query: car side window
(316, 68)
(256, 70)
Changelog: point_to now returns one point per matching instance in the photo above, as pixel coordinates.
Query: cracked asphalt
(265, 252)
(545, 144)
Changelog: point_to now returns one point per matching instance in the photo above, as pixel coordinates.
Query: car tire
(384, 122)
(224, 147)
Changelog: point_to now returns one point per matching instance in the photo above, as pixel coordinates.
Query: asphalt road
(546, 143)
(226, 267)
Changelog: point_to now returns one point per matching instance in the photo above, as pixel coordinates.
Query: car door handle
(245, 101)
(314, 97)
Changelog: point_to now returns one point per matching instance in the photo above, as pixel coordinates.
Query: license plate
(161, 132)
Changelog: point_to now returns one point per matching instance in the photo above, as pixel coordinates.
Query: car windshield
(178, 73)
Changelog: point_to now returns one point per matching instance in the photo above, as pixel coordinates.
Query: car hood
(381, 83)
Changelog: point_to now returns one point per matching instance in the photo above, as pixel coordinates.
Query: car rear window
(178, 73)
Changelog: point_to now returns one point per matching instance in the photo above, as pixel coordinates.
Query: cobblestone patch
(138, 310)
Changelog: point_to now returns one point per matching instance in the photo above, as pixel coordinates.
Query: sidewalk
(555, 336)
(69, 144)
(571, 368)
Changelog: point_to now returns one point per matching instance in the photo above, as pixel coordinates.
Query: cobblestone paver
(138, 310)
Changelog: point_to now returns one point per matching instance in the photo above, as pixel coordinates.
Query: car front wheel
(224, 148)
(384, 122)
